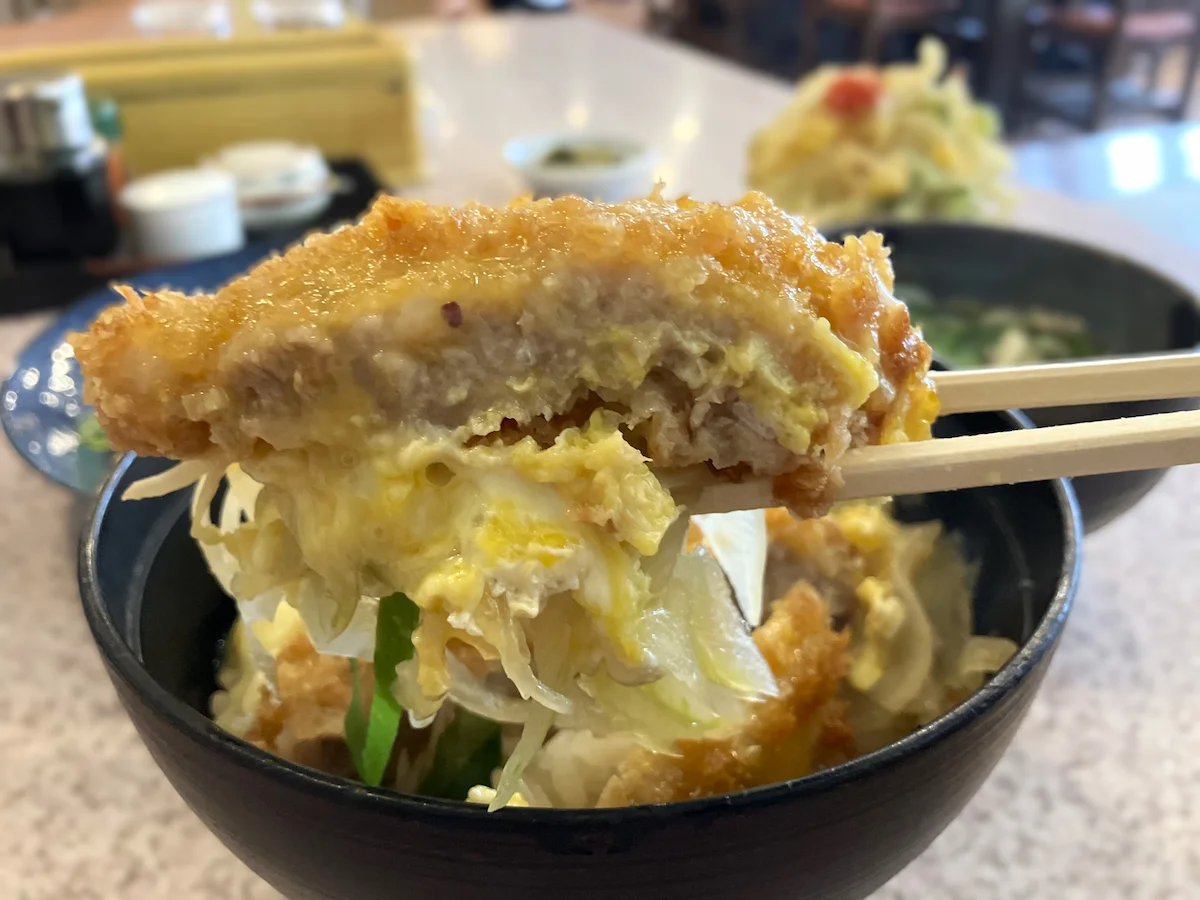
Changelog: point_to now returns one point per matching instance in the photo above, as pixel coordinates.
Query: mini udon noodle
(868, 634)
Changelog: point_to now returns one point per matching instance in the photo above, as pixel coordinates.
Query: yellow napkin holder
(350, 92)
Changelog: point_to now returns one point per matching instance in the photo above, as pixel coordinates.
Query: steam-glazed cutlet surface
(733, 335)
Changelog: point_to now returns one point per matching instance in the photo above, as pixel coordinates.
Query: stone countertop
(1096, 798)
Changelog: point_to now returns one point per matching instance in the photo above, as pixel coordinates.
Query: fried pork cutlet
(305, 720)
(729, 335)
(785, 737)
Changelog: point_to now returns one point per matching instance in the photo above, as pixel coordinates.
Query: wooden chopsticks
(1164, 377)
(1011, 457)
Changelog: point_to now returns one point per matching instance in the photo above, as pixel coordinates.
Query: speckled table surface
(1096, 798)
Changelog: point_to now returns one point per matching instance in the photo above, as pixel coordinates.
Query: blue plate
(43, 410)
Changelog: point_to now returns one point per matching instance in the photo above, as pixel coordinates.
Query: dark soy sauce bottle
(55, 202)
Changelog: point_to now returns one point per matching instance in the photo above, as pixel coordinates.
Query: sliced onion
(984, 655)
(661, 565)
(514, 657)
(910, 654)
(537, 726)
(475, 696)
(725, 651)
(554, 666)
(357, 639)
(202, 497)
(173, 479)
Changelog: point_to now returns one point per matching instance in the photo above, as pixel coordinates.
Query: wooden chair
(715, 26)
(1115, 32)
(875, 20)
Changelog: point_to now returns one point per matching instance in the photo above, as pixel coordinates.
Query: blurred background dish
(43, 414)
(972, 334)
(350, 92)
(902, 141)
(1000, 296)
(279, 183)
(592, 166)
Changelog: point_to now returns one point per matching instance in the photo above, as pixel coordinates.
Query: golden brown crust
(786, 736)
(304, 722)
(166, 372)
(133, 417)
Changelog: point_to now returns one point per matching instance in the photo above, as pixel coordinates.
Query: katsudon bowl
(158, 618)
(1124, 308)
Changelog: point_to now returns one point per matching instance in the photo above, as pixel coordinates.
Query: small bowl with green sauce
(595, 167)
(995, 296)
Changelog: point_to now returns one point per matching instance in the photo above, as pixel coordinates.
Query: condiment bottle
(55, 203)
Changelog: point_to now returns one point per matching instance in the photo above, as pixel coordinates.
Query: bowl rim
(840, 231)
(123, 663)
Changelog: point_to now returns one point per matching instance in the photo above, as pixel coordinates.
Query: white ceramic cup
(184, 214)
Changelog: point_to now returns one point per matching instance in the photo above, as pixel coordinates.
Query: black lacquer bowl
(1128, 307)
(158, 616)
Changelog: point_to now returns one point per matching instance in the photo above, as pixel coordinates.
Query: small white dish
(298, 14)
(184, 214)
(595, 167)
(279, 184)
(164, 18)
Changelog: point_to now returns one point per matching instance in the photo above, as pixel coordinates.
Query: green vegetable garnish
(467, 753)
(92, 436)
(967, 333)
(372, 735)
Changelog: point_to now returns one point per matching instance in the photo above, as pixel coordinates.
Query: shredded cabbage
(492, 543)
(176, 478)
